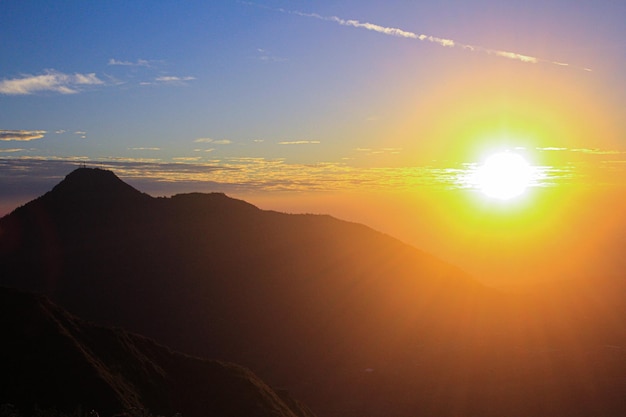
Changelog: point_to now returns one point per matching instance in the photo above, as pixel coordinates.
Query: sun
(504, 175)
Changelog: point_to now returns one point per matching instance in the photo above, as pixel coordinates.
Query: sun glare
(504, 175)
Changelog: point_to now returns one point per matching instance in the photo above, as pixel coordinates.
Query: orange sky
(548, 234)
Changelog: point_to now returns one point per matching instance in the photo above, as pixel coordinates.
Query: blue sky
(236, 84)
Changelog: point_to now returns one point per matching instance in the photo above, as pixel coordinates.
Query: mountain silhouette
(95, 184)
(54, 360)
(352, 321)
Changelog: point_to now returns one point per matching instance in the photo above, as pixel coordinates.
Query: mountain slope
(52, 359)
(300, 299)
(112, 258)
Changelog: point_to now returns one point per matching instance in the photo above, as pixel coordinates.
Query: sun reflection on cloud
(539, 176)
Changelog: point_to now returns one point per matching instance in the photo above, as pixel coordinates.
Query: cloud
(265, 56)
(187, 158)
(411, 35)
(54, 81)
(138, 63)
(168, 80)
(31, 176)
(596, 151)
(589, 151)
(397, 32)
(21, 135)
(144, 149)
(124, 161)
(173, 79)
(213, 141)
(300, 142)
(552, 148)
(12, 150)
(379, 151)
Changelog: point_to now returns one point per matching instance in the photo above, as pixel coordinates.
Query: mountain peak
(94, 183)
(91, 179)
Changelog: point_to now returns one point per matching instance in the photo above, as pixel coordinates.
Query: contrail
(390, 31)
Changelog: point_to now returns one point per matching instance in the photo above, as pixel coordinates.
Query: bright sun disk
(504, 175)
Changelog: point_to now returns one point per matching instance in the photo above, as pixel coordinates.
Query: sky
(378, 112)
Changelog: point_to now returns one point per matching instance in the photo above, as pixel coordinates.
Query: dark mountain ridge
(51, 359)
(90, 250)
(352, 321)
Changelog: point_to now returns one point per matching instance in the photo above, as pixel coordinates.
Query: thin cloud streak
(265, 56)
(52, 80)
(449, 43)
(589, 151)
(300, 142)
(21, 135)
(138, 63)
(173, 79)
(213, 141)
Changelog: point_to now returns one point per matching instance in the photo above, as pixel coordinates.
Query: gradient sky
(369, 110)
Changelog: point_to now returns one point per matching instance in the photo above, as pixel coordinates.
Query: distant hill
(55, 361)
(354, 322)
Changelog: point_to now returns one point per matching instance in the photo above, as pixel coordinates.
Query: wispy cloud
(144, 149)
(81, 133)
(169, 80)
(203, 140)
(213, 141)
(187, 158)
(52, 81)
(595, 151)
(552, 148)
(300, 142)
(588, 151)
(265, 56)
(21, 135)
(173, 79)
(12, 150)
(397, 32)
(379, 151)
(125, 161)
(138, 63)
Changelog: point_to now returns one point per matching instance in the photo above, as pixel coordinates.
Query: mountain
(54, 360)
(352, 321)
